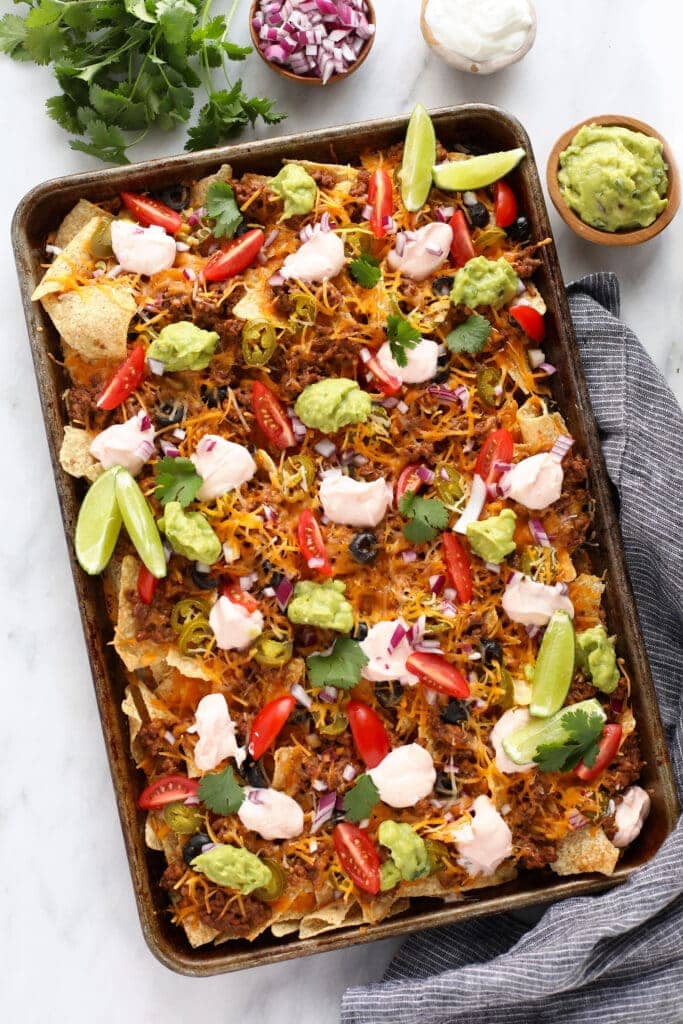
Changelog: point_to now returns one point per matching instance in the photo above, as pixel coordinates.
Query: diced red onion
(390, 402)
(577, 820)
(616, 705)
(349, 773)
(451, 397)
(400, 243)
(306, 233)
(270, 238)
(562, 446)
(324, 810)
(469, 198)
(326, 448)
(328, 694)
(283, 593)
(396, 637)
(538, 533)
(360, 460)
(169, 450)
(315, 563)
(207, 846)
(434, 250)
(247, 582)
(168, 551)
(425, 474)
(536, 357)
(156, 367)
(297, 691)
(533, 631)
(436, 583)
(367, 212)
(182, 247)
(268, 591)
(444, 213)
(493, 567)
(181, 434)
(474, 656)
(389, 224)
(276, 280)
(448, 609)
(269, 514)
(409, 556)
(474, 506)
(193, 219)
(548, 369)
(115, 271)
(402, 407)
(145, 449)
(203, 567)
(189, 274)
(297, 426)
(319, 786)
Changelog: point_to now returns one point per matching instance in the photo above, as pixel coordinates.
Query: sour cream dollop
(533, 603)
(421, 361)
(406, 775)
(423, 251)
(128, 444)
(142, 250)
(485, 843)
(480, 30)
(223, 466)
(318, 259)
(535, 482)
(509, 722)
(216, 731)
(630, 815)
(234, 627)
(272, 814)
(354, 502)
(383, 663)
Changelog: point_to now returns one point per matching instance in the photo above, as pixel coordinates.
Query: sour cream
(142, 250)
(234, 627)
(128, 444)
(318, 259)
(509, 722)
(272, 814)
(484, 844)
(480, 30)
(420, 365)
(406, 775)
(354, 502)
(216, 731)
(533, 603)
(423, 251)
(630, 815)
(384, 664)
(222, 465)
(535, 482)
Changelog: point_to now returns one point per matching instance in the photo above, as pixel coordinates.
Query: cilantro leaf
(226, 113)
(359, 801)
(177, 480)
(365, 270)
(341, 668)
(582, 733)
(64, 111)
(106, 141)
(220, 792)
(12, 36)
(402, 335)
(426, 516)
(469, 336)
(223, 209)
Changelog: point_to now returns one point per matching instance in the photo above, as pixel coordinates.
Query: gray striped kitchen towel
(615, 958)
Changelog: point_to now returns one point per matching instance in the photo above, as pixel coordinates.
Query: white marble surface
(71, 946)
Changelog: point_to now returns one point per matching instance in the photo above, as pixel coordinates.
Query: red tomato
(271, 417)
(358, 856)
(369, 735)
(438, 674)
(381, 199)
(268, 724)
(125, 380)
(167, 790)
(147, 585)
(386, 382)
(234, 593)
(458, 566)
(607, 751)
(505, 204)
(149, 211)
(409, 480)
(311, 541)
(498, 447)
(235, 257)
(462, 249)
(530, 320)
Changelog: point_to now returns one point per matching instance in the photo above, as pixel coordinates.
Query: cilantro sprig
(582, 733)
(360, 800)
(221, 792)
(469, 336)
(426, 517)
(365, 270)
(342, 668)
(402, 335)
(176, 480)
(222, 208)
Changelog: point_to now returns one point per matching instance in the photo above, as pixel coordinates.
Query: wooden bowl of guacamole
(613, 180)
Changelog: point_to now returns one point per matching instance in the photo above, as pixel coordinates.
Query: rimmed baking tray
(484, 128)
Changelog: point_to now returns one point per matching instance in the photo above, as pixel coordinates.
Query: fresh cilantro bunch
(221, 792)
(360, 800)
(469, 336)
(426, 517)
(126, 66)
(176, 480)
(580, 743)
(402, 335)
(365, 270)
(342, 668)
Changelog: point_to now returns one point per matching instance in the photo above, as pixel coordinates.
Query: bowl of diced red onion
(315, 42)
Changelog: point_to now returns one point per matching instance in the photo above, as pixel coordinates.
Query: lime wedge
(476, 171)
(139, 522)
(98, 524)
(419, 155)
(554, 667)
(522, 744)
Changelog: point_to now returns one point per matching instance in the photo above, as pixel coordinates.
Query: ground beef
(534, 853)
(441, 152)
(617, 698)
(625, 768)
(284, 303)
(238, 920)
(151, 738)
(524, 264)
(575, 470)
(580, 689)
(171, 876)
(81, 400)
(359, 189)
(574, 522)
(246, 187)
(324, 179)
(395, 153)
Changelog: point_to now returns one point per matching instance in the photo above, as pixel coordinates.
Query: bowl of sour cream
(479, 36)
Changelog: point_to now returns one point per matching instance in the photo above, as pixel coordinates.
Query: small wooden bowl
(311, 79)
(591, 234)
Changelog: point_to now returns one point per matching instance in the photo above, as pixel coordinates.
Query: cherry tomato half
(149, 211)
(125, 380)
(438, 674)
(234, 593)
(504, 204)
(409, 480)
(381, 199)
(358, 856)
(530, 320)
(167, 790)
(458, 566)
(462, 249)
(271, 417)
(269, 723)
(234, 257)
(369, 734)
(385, 381)
(311, 541)
(608, 746)
(498, 447)
(147, 585)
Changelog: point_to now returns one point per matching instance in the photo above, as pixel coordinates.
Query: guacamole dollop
(331, 404)
(233, 866)
(321, 604)
(183, 346)
(615, 179)
(189, 534)
(483, 282)
(492, 538)
(297, 188)
(407, 848)
(597, 657)
(389, 876)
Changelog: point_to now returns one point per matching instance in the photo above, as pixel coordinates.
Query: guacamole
(597, 657)
(321, 604)
(389, 875)
(233, 866)
(613, 178)
(332, 404)
(483, 282)
(189, 534)
(407, 848)
(297, 188)
(492, 538)
(182, 346)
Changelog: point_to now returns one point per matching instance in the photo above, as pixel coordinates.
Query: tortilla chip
(288, 762)
(133, 653)
(193, 668)
(82, 213)
(539, 428)
(139, 707)
(152, 840)
(287, 926)
(199, 190)
(74, 455)
(257, 301)
(344, 174)
(325, 919)
(587, 850)
(585, 593)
